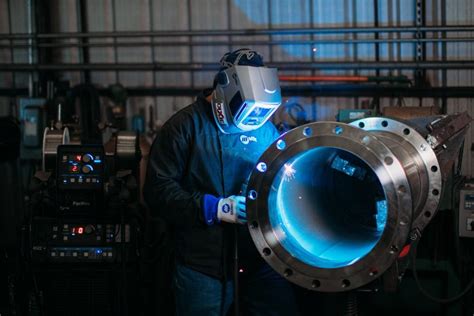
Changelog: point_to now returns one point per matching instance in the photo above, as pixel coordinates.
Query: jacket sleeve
(163, 190)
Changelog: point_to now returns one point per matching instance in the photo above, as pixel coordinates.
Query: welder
(199, 164)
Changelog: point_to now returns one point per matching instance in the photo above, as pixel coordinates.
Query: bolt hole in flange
(252, 195)
(261, 166)
(393, 249)
(402, 189)
(338, 130)
(388, 160)
(281, 144)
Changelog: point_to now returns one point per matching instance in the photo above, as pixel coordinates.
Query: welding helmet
(246, 93)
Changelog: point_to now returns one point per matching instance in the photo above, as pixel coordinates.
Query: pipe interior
(327, 207)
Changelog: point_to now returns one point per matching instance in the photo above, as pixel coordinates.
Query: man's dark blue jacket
(191, 157)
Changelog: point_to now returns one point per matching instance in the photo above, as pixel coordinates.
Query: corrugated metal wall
(162, 15)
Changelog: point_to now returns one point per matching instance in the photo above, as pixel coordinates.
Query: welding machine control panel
(80, 167)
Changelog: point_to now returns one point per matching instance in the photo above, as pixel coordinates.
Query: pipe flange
(423, 148)
(381, 161)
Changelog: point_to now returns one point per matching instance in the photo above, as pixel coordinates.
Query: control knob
(87, 169)
(87, 158)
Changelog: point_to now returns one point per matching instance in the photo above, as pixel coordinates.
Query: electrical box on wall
(466, 211)
(32, 119)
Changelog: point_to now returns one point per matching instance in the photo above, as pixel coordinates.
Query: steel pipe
(328, 78)
(324, 78)
(330, 206)
(247, 32)
(31, 22)
(247, 43)
(294, 66)
(316, 90)
(319, 90)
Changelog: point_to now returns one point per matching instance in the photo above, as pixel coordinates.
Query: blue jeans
(261, 293)
(198, 294)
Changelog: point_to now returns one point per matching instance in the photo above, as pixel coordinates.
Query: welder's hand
(232, 209)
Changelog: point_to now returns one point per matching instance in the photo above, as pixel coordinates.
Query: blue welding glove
(230, 209)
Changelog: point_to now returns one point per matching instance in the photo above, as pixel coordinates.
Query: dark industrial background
(141, 61)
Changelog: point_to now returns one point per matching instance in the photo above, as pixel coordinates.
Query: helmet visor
(256, 95)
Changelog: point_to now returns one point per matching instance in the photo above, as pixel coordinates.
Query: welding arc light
(332, 208)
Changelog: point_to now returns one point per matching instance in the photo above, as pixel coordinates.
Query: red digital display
(78, 230)
(74, 168)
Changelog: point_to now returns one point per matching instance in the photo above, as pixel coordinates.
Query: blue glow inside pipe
(327, 207)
